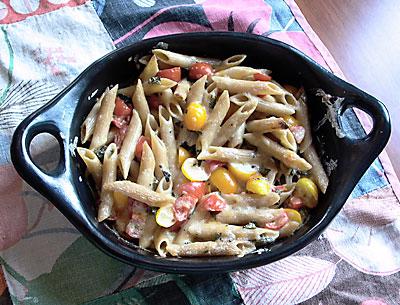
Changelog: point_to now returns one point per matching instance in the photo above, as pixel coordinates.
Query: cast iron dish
(63, 116)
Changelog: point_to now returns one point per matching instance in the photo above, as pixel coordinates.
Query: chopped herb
(125, 98)
(155, 80)
(167, 175)
(191, 149)
(219, 234)
(205, 251)
(264, 171)
(199, 162)
(213, 101)
(250, 225)
(100, 152)
(153, 210)
(173, 194)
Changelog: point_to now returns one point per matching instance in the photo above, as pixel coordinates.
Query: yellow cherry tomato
(307, 191)
(195, 116)
(194, 170)
(242, 171)
(165, 216)
(183, 154)
(293, 215)
(120, 201)
(290, 120)
(224, 181)
(257, 184)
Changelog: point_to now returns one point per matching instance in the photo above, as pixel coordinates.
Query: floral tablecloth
(45, 44)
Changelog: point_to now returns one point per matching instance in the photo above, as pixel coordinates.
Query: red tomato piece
(279, 188)
(262, 77)
(139, 146)
(298, 132)
(154, 102)
(199, 69)
(172, 73)
(214, 203)
(279, 222)
(137, 207)
(121, 108)
(120, 121)
(135, 226)
(183, 206)
(212, 165)
(193, 189)
(120, 135)
(294, 203)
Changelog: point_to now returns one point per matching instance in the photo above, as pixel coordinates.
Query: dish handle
(55, 119)
(375, 140)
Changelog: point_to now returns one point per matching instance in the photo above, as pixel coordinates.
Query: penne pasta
(196, 92)
(182, 90)
(236, 119)
(103, 119)
(140, 103)
(273, 149)
(302, 117)
(171, 104)
(266, 106)
(246, 86)
(139, 193)
(128, 147)
(157, 85)
(147, 166)
(266, 125)
(237, 137)
(150, 70)
(317, 171)
(214, 121)
(239, 72)
(286, 138)
(109, 176)
(220, 231)
(146, 240)
(88, 124)
(212, 248)
(93, 164)
(180, 60)
(163, 239)
(231, 61)
(239, 215)
(253, 200)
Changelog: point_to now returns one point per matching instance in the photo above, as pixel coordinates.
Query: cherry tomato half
(199, 69)
(121, 108)
(172, 74)
(294, 203)
(183, 206)
(139, 146)
(279, 222)
(262, 77)
(194, 189)
(214, 203)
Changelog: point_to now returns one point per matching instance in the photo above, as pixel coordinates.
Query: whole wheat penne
(157, 85)
(254, 200)
(266, 125)
(139, 193)
(103, 119)
(140, 103)
(88, 124)
(182, 90)
(239, 215)
(168, 137)
(212, 126)
(265, 105)
(317, 170)
(271, 148)
(181, 60)
(109, 176)
(235, 120)
(150, 70)
(242, 86)
(127, 152)
(92, 163)
(302, 117)
(238, 72)
(231, 61)
(212, 248)
(147, 166)
(197, 90)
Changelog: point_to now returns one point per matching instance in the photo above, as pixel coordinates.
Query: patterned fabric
(44, 44)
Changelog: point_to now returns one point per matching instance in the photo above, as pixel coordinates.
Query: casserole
(63, 116)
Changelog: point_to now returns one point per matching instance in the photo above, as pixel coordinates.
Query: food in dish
(202, 157)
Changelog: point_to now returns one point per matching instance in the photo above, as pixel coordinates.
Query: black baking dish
(63, 115)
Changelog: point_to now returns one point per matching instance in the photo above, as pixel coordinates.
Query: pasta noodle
(215, 164)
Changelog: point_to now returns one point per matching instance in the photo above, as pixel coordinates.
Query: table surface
(364, 39)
